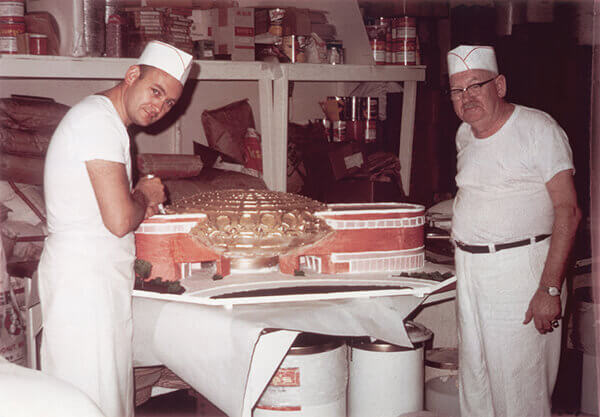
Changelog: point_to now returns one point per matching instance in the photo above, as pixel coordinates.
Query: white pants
(506, 368)
(85, 292)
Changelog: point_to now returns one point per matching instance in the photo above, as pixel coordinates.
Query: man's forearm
(566, 220)
(140, 203)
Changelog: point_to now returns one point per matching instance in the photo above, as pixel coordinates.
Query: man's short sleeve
(99, 137)
(551, 152)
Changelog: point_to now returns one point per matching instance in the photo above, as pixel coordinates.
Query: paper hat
(171, 60)
(470, 57)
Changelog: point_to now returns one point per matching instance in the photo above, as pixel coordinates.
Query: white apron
(85, 291)
(506, 369)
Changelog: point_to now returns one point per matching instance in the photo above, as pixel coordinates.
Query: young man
(515, 218)
(86, 269)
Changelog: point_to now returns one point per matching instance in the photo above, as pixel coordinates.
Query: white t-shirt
(92, 129)
(502, 195)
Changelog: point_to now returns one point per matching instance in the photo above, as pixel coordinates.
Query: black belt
(500, 246)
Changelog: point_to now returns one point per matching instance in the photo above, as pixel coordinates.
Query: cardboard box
(362, 190)
(203, 26)
(296, 22)
(234, 33)
(334, 161)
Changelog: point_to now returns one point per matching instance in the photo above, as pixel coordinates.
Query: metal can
(8, 44)
(354, 108)
(311, 380)
(371, 130)
(38, 44)
(252, 150)
(326, 124)
(12, 25)
(406, 28)
(12, 8)
(406, 53)
(370, 108)
(339, 131)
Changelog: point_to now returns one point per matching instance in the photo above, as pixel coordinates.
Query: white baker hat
(171, 60)
(470, 57)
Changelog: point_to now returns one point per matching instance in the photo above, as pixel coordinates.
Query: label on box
(202, 26)
(354, 160)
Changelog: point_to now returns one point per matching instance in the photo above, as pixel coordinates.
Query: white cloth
(26, 392)
(471, 57)
(502, 195)
(86, 273)
(507, 369)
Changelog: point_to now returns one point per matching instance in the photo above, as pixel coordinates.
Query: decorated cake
(242, 230)
(373, 237)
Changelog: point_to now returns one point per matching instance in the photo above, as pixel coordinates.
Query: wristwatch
(553, 291)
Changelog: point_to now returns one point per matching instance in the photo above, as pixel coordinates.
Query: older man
(86, 269)
(515, 218)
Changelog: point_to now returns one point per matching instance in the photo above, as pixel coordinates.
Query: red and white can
(252, 150)
(371, 108)
(8, 44)
(38, 44)
(405, 53)
(405, 28)
(339, 131)
(12, 25)
(371, 131)
(12, 8)
(378, 48)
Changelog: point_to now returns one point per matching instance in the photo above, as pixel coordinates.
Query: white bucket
(441, 395)
(387, 380)
(311, 381)
(584, 335)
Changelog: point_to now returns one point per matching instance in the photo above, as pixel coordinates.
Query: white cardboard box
(234, 33)
(203, 26)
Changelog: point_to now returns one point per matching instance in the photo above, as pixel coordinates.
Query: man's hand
(154, 191)
(543, 309)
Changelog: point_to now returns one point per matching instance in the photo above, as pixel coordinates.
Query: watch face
(553, 291)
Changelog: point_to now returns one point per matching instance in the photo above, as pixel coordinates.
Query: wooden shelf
(342, 73)
(273, 80)
(52, 67)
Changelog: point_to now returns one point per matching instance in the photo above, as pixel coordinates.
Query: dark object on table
(434, 276)
(159, 286)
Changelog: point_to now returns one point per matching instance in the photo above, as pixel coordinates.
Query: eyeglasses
(473, 89)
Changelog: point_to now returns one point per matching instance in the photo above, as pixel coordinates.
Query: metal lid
(417, 333)
(310, 343)
(442, 358)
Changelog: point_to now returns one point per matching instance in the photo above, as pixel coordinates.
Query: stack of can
(355, 119)
(377, 30)
(404, 40)
(12, 23)
(356, 122)
(393, 40)
(371, 112)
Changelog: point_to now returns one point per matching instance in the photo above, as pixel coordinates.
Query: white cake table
(229, 348)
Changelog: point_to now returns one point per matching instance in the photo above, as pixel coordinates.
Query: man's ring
(554, 323)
